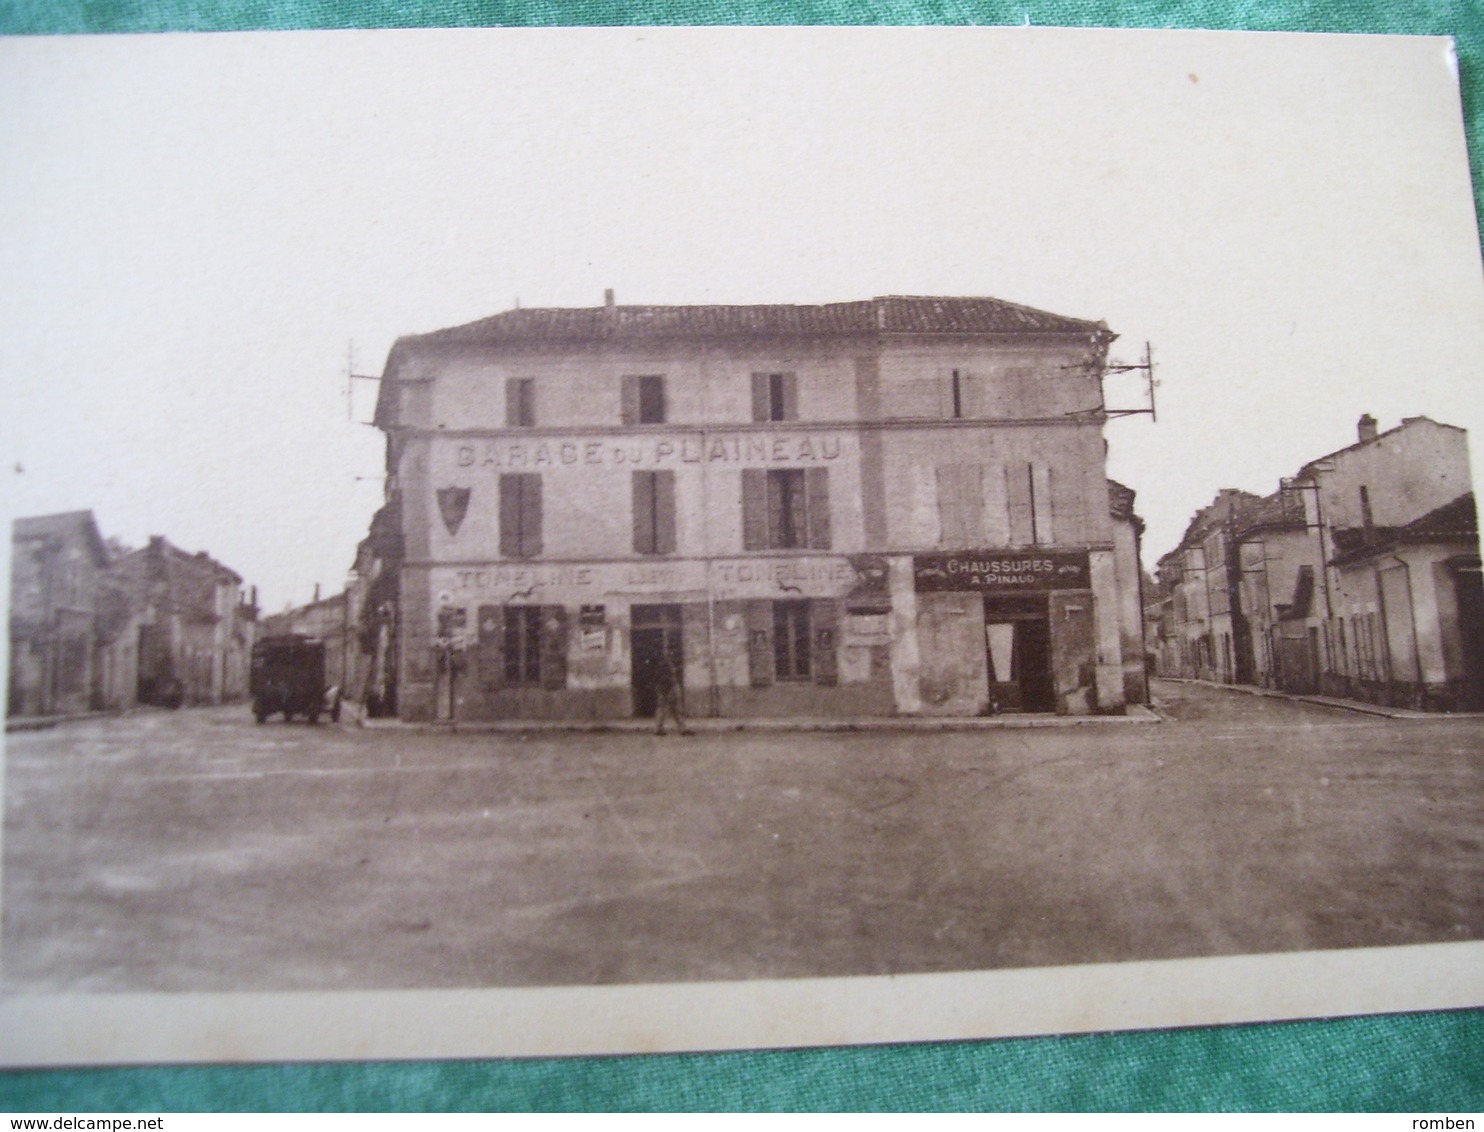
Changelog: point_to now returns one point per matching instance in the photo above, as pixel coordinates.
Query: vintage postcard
(591, 541)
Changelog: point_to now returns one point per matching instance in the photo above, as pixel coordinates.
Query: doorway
(1017, 648)
(654, 632)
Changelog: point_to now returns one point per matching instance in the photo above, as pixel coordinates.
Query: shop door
(654, 632)
(1017, 633)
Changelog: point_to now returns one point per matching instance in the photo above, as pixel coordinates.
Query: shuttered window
(520, 514)
(787, 508)
(961, 505)
(520, 402)
(654, 512)
(775, 397)
(643, 398)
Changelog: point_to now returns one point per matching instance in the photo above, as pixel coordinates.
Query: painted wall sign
(751, 448)
(756, 577)
(999, 571)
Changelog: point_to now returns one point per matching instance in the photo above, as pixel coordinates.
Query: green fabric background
(1424, 1062)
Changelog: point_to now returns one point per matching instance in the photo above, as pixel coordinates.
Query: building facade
(893, 506)
(57, 562)
(1359, 578)
(187, 634)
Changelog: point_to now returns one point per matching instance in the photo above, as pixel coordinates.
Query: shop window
(520, 402)
(791, 650)
(654, 512)
(786, 508)
(793, 641)
(775, 397)
(520, 514)
(533, 645)
(643, 399)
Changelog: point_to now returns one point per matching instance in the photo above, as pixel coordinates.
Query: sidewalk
(1335, 702)
(1137, 713)
(42, 722)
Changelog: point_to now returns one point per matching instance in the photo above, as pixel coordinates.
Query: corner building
(889, 507)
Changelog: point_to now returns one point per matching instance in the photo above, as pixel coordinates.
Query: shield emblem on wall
(453, 505)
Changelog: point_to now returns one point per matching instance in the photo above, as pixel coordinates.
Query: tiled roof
(1281, 509)
(1121, 501)
(1456, 521)
(891, 314)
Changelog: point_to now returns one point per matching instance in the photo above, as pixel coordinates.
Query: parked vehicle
(288, 675)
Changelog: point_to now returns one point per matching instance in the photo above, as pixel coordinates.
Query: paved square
(197, 850)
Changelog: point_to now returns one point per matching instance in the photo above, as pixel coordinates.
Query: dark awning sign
(992, 571)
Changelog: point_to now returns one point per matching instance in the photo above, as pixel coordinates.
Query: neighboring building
(56, 564)
(1201, 578)
(1359, 578)
(187, 628)
(893, 506)
(331, 621)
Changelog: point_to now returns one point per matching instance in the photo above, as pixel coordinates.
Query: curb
(1137, 714)
(1359, 707)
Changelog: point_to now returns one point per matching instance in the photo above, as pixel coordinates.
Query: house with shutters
(891, 506)
(1358, 578)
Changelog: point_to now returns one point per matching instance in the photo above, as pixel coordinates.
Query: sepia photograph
(613, 540)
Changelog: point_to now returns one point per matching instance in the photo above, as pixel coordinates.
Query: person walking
(667, 696)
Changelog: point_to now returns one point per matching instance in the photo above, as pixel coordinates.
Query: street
(196, 850)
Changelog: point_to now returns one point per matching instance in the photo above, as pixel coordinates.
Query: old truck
(288, 675)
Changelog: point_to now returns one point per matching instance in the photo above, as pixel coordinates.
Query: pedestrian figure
(667, 696)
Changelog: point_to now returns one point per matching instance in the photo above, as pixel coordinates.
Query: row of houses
(97, 627)
(1358, 578)
(892, 506)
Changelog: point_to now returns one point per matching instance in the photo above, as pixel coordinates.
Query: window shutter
(644, 501)
(630, 393)
(553, 647)
(790, 397)
(489, 655)
(510, 516)
(754, 509)
(530, 516)
(1018, 493)
(824, 616)
(817, 488)
(664, 512)
(760, 398)
(760, 642)
(950, 506)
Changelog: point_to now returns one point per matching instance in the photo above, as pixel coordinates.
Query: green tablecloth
(1424, 1062)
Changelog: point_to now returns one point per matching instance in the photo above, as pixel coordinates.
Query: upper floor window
(785, 508)
(643, 399)
(520, 515)
(775, 397)
(520, 402)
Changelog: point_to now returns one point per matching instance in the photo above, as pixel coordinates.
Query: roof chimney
(608, 297)
(1366, 427)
